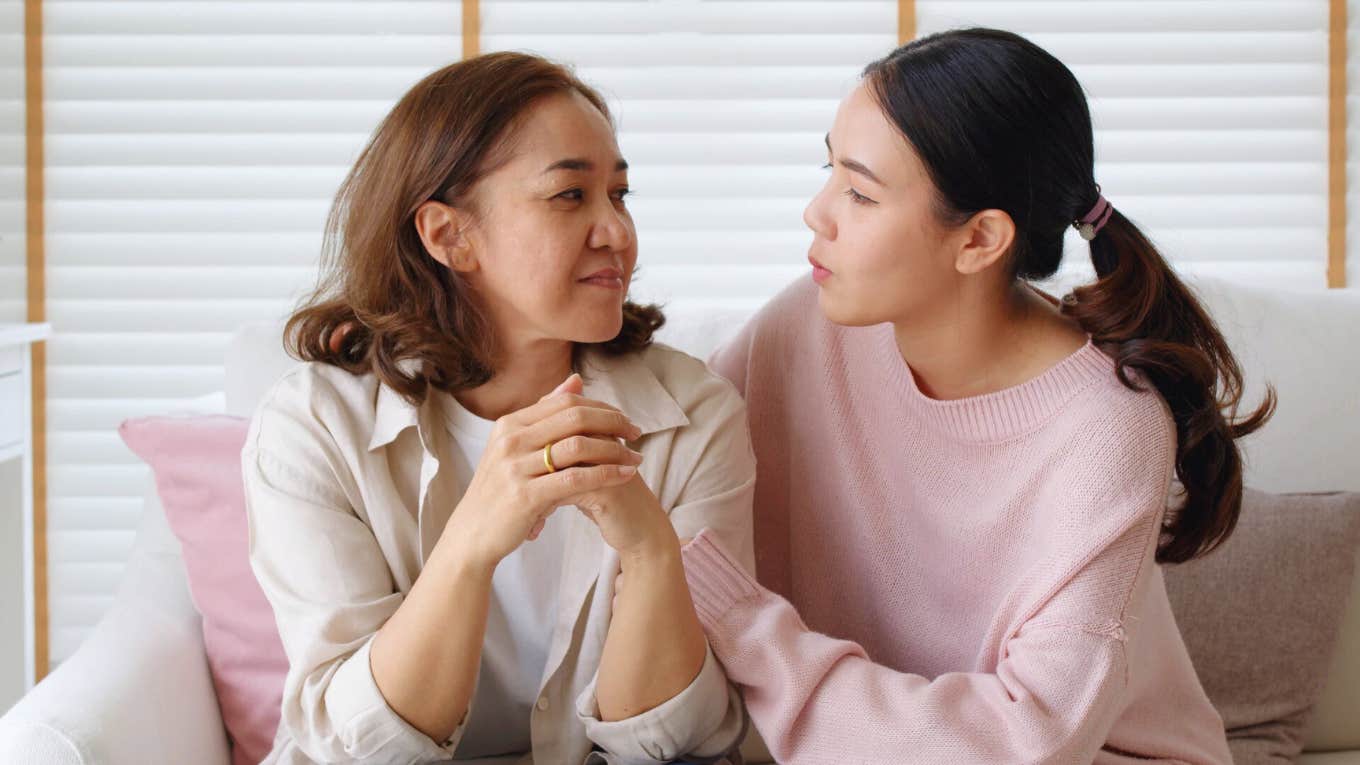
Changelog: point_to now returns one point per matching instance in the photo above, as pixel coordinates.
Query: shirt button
(542, 703)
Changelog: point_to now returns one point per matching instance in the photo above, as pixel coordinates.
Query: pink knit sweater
(967, 581)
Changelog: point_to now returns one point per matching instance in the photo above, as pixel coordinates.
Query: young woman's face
(878, 253)
(553, 242)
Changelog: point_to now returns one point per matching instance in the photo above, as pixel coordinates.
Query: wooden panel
(1336, 151)
(472, 28)
(37, 304)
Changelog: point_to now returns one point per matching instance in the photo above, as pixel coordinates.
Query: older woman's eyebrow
(580, 165)
(853, 166)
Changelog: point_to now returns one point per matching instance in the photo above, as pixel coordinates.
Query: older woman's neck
(525, 373)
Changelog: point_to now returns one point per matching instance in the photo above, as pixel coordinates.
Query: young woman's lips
(820, 273)
(609, 279)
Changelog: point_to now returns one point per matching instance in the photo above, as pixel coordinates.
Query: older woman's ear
(443, 232)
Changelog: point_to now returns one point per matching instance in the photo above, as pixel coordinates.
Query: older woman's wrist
(661, 549)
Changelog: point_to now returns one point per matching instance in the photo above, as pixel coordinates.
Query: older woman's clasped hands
(564, 449)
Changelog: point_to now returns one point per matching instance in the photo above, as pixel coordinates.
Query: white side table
(16, 509)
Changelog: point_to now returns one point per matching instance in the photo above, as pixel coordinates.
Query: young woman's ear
(987, 237)
(443, 231)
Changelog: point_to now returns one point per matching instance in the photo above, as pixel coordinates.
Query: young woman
(961, 504)
(471, 364)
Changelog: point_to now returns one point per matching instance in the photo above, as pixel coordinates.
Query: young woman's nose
(816, 216)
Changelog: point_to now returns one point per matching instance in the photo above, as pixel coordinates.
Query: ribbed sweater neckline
(999, 415)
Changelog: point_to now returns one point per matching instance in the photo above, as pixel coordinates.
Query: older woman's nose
(611, 230)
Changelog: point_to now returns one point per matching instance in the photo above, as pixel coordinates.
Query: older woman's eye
(574, 195)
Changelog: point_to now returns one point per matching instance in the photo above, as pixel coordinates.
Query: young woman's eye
(858, 198)
(827, 166)
(622, 193)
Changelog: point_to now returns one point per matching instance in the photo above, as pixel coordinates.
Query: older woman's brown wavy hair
(381, 298)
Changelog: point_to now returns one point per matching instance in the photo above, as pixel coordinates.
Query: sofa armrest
(138, 690)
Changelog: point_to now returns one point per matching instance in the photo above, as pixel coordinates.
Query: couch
(138, 690)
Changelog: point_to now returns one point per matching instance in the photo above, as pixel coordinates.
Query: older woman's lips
(820, 273)
(609, 279)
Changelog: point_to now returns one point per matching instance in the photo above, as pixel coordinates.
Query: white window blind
(13, 304)
(192, 151)
(1210, 117)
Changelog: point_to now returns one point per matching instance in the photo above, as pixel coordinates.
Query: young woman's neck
(987, 339)
(525, 372)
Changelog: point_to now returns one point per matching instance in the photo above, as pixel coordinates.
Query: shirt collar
(625, 382)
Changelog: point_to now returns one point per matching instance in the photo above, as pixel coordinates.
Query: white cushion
(1307, 344)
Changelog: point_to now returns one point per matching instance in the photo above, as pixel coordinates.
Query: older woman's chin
(599, 329)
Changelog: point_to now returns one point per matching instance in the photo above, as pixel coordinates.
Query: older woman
(472, 365)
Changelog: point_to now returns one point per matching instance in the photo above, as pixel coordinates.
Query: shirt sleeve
(331, 590)
(690, 725)
(707, 719)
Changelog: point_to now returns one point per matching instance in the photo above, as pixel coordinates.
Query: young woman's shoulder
(1124, 432)
(788, 332)
(794, 309)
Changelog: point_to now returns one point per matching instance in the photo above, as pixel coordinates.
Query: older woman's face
(553, 243)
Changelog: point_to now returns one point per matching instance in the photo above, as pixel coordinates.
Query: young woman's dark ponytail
(1149, 321)
(1001, 124)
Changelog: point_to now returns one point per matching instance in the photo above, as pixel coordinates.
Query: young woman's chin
(840, 305)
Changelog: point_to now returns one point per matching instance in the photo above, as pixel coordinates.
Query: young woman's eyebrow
(852, 165)
(581, 165)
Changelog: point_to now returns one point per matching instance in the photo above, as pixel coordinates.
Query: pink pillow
(197, 463)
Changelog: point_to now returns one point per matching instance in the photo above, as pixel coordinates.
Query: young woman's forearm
(425, 658)
(656, 646)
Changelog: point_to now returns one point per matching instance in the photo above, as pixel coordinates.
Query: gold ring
(547, 457)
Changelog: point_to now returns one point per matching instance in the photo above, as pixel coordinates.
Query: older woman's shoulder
(312, 401)
(707, 400)
(685, 377)
(314, 385)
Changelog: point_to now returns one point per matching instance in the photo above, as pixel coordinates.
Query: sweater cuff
(717, 582)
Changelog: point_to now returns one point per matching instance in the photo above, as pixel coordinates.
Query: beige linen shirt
(338, 535)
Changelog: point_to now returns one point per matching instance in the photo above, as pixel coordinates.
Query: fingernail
(636, 454)
(627, 469)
